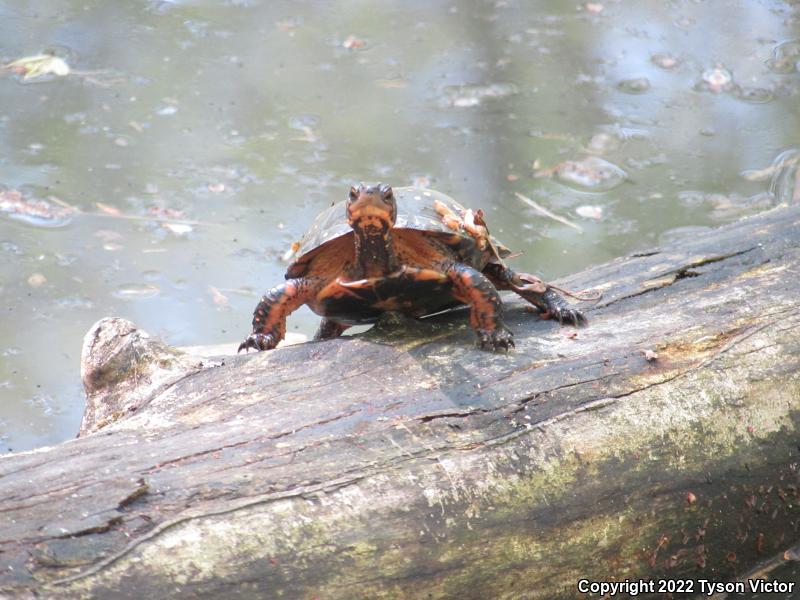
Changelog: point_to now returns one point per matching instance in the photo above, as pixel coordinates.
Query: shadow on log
(661, 441)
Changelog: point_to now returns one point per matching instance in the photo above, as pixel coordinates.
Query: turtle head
(371, 209)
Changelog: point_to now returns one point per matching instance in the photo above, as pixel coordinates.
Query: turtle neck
(374, 256)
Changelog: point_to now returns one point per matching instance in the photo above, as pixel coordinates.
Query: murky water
(192, 142)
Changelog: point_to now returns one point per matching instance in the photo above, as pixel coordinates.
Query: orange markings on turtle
(341, 289)
(427, 275)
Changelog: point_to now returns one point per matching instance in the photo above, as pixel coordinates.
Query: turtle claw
(495, 340)
(258, 341)
(557, 308)
(571, 316)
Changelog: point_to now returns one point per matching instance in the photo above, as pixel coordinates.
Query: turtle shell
(415, 210)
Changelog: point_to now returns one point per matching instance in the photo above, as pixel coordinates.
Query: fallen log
(659, 442)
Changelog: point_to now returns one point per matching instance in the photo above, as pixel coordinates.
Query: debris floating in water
(34, 211)
(465, 96)
(784, 176)
(716, 79)
(665, 61)
(590, 212)
(785, 57)
(39, 65)
(352, 42)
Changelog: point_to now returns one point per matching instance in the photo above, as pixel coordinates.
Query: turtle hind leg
(485, 307)
(269, 318)
(329, 329)
(550, 303)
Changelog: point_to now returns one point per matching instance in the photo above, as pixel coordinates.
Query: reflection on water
(191, 142)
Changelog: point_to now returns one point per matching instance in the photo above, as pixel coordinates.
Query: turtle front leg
(472, 288)
(269, 318)
(549, 302)
(329, 329)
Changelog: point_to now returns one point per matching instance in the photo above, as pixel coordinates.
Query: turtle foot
(569, 316)
(494, 340)
(557, 308)
(259, 341)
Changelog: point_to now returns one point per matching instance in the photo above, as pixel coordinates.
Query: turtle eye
(353, 193)
(387, 194)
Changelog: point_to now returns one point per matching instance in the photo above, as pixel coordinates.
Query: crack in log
(679, 273)
(140, 491)
(336, 417)
(454, 414)
(520, 404)
(566, 386)
(46, 493)
(180, 459)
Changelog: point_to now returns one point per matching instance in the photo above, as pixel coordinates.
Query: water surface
(236, 122)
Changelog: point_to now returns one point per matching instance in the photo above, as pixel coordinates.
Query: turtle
(411, 250)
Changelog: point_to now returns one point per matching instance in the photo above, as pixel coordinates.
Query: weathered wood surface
(413, 465)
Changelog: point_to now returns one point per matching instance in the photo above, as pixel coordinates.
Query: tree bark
(659, 442)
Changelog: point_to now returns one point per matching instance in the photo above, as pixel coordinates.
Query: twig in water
(546, 213)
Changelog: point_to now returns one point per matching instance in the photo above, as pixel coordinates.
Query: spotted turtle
(410, 250)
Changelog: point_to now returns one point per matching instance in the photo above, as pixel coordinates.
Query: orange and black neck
(374, 256)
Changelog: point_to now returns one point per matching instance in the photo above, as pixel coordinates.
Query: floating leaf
(39, 65)
(42, 213)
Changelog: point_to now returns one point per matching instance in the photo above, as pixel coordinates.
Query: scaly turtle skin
(409, 250)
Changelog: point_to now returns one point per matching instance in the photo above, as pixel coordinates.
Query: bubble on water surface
(591, 174)
(604, 142)
(755, 95)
